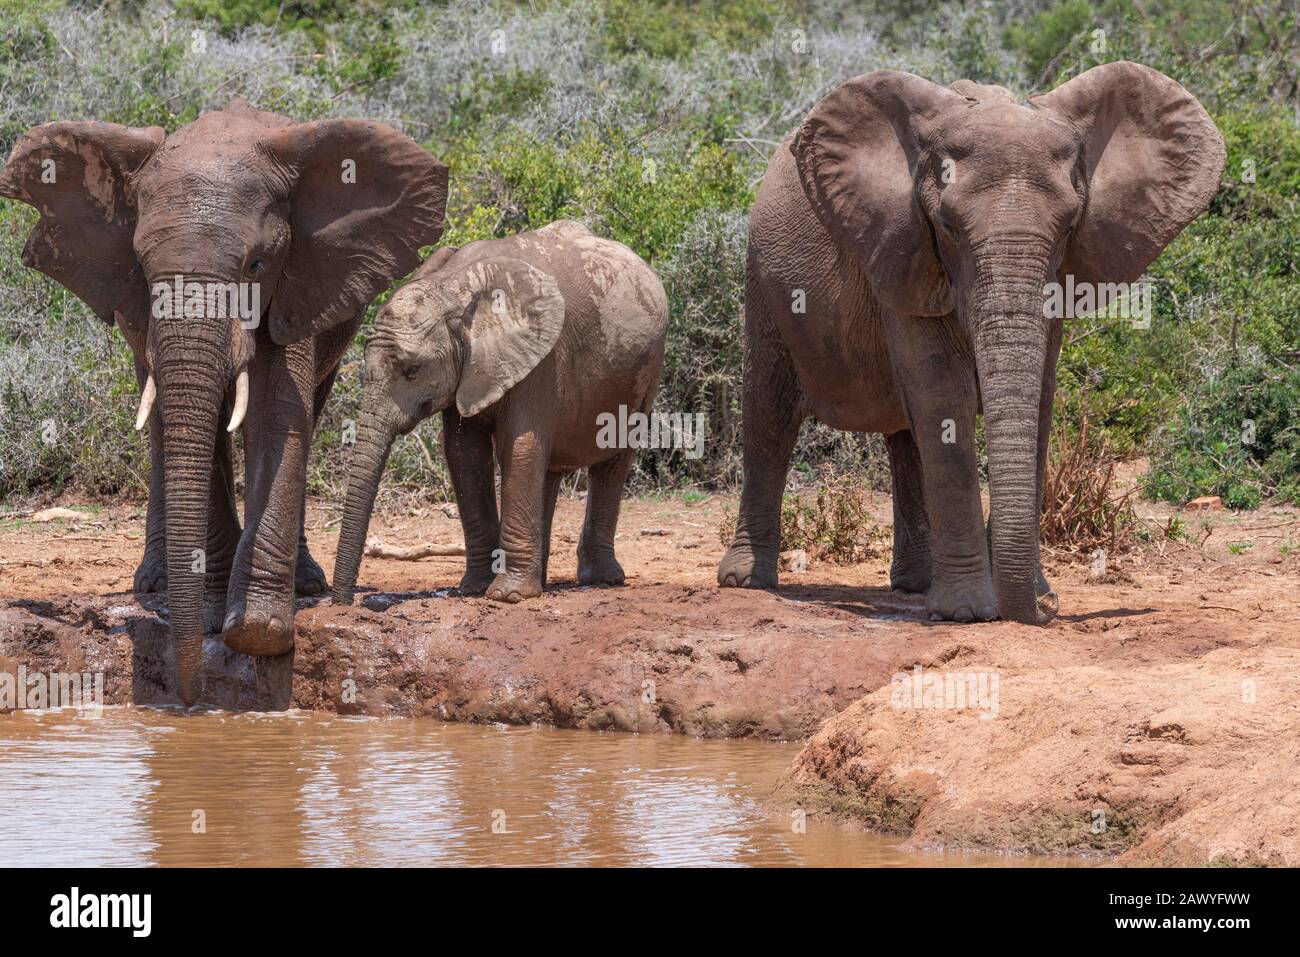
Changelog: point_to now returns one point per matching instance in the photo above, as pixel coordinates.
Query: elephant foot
(1048, 602)
(965, 599)
(151, 573)
(911, 573)
(602, 570)
(258, 631)
(742, 568)
(308, 576)
(475, 581)
(514, 587)
(1043, 588)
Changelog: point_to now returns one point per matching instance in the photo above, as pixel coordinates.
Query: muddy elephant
(531, 344)
(236, 255)
(902, 249)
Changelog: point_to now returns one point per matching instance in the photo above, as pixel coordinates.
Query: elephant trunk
(1010, 337)
(375, 434)
(191, 377)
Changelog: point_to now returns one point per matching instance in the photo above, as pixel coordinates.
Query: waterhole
(137, 786)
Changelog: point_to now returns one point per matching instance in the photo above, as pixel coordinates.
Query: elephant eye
(411, 372)
(255, 267)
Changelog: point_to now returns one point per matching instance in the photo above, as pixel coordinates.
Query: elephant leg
(911, 566)
(259, 615)
(550, 493)
(308, 577)
(1046, 408)
(223, 512)
(468, 450)
(773, 411)
(596, 562)
(525, 451)
(151, 573)
(935, 372)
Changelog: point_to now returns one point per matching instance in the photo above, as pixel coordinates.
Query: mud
(1155, 720)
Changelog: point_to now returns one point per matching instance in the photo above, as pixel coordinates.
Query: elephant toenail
(936, 616)
(275, 629)
(963, 615)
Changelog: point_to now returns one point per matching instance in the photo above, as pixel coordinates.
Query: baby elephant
(524, 344)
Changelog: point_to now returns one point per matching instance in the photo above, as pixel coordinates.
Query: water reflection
(137, 786)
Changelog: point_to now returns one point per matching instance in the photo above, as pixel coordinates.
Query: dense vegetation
(652, 122)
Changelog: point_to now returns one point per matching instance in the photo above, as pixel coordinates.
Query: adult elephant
(900, 252)
(310, 221)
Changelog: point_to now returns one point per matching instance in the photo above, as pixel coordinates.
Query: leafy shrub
(836, 526)
(514, 181)
(703, 277)
(652, 122)
(1237, 437)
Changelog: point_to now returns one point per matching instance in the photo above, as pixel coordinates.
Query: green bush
(1237, 436)
(703, 277)
(652, 122)
(513, 181)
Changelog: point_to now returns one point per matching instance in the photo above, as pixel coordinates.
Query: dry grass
(836, 527)
(1082, 509)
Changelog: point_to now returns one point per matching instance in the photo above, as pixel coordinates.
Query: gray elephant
(526, 344)
(901, 249)
(236, 255)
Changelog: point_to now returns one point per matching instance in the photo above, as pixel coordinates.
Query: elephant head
(313, 219)
(461, 336)
(962, 200)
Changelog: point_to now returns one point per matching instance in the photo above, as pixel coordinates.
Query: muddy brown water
(136, 786)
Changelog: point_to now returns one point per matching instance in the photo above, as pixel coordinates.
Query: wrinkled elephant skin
(236, 255)
(901, 251)
(528, 344)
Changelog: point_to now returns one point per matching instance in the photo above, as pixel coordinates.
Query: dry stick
(428, 458)
(1054, 64)
(752, 144)
(410, 553)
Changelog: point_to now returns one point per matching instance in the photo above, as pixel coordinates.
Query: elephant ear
(437, 259)
(364, 198)
(857, 154)
(77, 175)
(1152, 158)
(510, 318)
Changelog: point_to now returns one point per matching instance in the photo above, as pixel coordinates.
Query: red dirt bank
(1164, 704)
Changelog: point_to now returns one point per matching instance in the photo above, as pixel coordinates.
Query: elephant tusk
(241, 401)
(146, 403)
